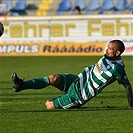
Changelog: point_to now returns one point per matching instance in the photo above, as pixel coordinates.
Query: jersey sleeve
(121, 76)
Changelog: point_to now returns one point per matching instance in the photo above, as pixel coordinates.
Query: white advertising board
(100, 28)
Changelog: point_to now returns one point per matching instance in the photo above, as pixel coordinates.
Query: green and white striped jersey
(94, 78)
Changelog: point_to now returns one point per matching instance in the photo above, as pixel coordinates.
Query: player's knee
(49, 104)
(54, 79)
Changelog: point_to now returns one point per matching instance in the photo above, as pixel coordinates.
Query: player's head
(77, 10)
(115, 48)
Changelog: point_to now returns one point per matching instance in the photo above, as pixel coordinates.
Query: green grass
(25, 112)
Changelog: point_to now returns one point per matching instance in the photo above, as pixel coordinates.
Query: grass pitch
(25, 112)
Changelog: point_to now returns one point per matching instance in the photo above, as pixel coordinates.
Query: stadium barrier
(56, 35)
(50, 49)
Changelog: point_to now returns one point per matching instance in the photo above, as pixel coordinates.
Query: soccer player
(79, 89)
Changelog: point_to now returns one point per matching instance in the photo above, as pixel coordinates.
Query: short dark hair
(120, 45)
(77, 8)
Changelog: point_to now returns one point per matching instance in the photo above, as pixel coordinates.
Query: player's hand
(130, 107)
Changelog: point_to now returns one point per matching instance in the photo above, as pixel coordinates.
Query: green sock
(36, 83)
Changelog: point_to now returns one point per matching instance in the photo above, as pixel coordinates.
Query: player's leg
(65, 81)
(71, 99)
(61, 81)
(36, 83)
(68, 100)
(65, 101)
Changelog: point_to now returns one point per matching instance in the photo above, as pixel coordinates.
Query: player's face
(111, 51)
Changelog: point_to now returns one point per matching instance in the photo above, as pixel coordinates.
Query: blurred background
(64, 26)
(66, 7)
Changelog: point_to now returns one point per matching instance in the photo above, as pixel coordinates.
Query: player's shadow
(82, 109)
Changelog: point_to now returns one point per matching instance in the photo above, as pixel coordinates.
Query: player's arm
(129, 95)
(123, 79)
